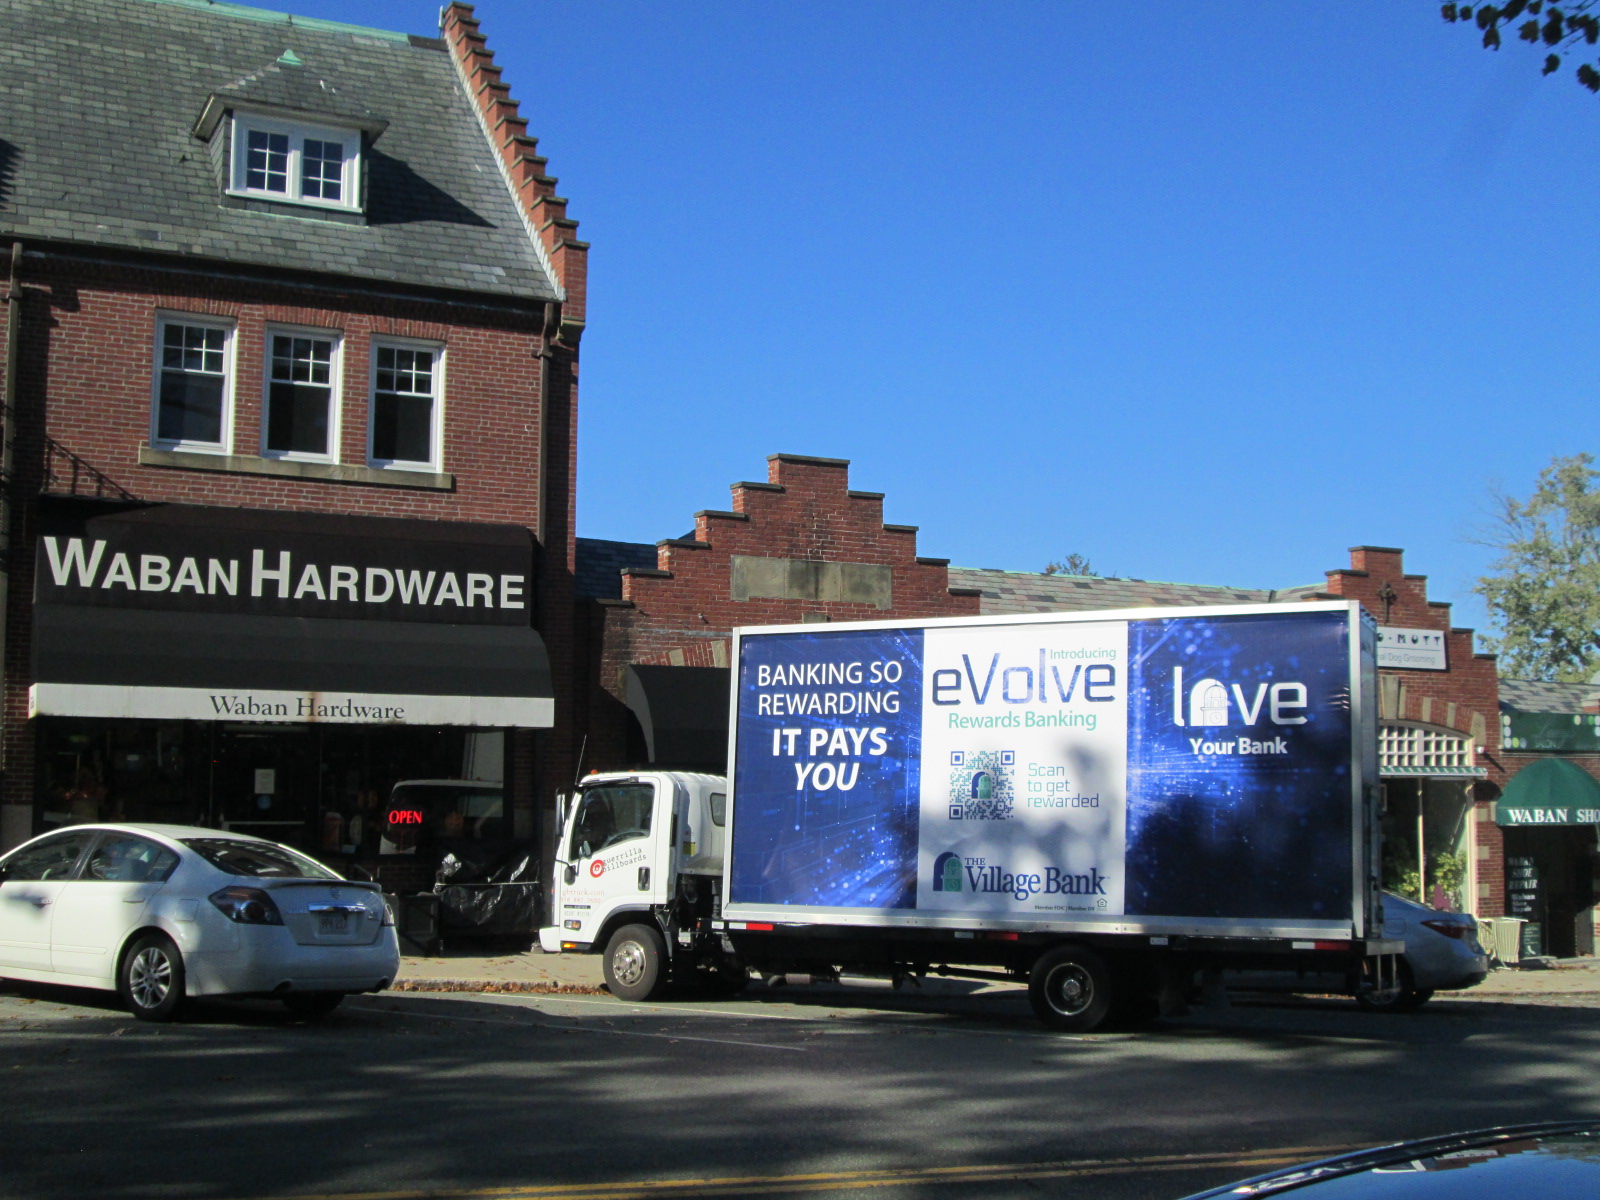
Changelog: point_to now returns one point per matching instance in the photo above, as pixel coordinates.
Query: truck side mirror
(571, 874)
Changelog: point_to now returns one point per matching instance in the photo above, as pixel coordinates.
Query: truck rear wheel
(1070, 989)
(635, 962)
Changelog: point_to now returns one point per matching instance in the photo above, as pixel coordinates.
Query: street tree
(1559, 29)
(1544, 591)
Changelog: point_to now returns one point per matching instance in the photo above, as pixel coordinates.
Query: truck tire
(1070, 989)
(635, 962)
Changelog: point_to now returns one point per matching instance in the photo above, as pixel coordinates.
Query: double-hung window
(301, 164)
(302, 410)
(407, 391)
(193, 384)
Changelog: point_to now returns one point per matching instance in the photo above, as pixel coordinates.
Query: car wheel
(312, 1005)
(1407, 998)
(633, 963)
(1070, 989)
(151, 979)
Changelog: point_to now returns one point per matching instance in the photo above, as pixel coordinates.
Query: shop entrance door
(1562, 860)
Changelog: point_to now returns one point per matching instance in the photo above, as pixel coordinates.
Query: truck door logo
(597, 868)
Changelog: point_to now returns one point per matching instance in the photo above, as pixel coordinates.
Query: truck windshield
(608, 814)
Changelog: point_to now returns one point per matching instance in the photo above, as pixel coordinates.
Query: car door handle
(39, 901)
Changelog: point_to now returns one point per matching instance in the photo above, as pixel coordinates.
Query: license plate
(333, 922)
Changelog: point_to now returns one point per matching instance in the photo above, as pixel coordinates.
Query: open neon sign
(405, 816)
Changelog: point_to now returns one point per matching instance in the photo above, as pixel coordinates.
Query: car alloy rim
(150, 977)
(1069, 989)
(628, 963)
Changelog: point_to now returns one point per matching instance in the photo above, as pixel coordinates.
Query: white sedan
(159, 913)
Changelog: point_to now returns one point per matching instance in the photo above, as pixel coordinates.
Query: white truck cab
(640, 858)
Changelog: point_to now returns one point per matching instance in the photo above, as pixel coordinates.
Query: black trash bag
(490, 908)
(490, 893)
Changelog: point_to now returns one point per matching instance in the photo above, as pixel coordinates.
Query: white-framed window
(300, 416)
(406, 417)
(302, 164)
(193, 387)
(1417, 746)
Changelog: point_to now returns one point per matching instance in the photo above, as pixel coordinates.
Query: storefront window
(320, 788)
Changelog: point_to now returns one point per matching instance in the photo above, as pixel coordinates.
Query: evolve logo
(1210, 702)
(947, 872)
(981, 785)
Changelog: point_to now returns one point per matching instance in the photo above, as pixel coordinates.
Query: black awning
(211, 666)
(684, 714)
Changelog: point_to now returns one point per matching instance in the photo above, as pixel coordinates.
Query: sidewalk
(462, 969)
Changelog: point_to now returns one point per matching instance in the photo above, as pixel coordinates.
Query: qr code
(981, 786)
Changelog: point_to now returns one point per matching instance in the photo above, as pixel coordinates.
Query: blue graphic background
(1262, 835)
(848, 849)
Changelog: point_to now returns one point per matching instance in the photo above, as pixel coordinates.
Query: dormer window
(274, 159)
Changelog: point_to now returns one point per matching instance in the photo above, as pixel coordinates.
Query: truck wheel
(1070, 989)
(635, 956)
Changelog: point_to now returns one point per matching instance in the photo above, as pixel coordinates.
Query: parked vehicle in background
(1443, 953)
(1101, 804)
(1558, 1159)
(162, 913)
(431, 813)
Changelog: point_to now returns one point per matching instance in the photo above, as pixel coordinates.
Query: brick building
(289, 364)
(1439, 736)
(1550, 810)
(655, 619)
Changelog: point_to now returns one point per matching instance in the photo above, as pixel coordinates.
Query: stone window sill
(251, 464)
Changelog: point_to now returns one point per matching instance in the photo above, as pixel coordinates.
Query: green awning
(1551, 791)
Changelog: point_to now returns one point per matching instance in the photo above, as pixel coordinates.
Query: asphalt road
(855, 1092)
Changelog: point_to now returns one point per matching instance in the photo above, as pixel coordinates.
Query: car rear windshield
(258, 858)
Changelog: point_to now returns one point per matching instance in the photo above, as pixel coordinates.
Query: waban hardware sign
(357, 574)
(284, 617)
(1083, 770)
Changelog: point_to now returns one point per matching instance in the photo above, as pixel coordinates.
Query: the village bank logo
(1209, 702)
(952, 873)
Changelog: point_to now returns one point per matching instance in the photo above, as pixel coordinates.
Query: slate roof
(601, 563)
(1005, 592)
(1534, 696)
(98, 105)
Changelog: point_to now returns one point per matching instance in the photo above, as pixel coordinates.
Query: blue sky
(1208, 300)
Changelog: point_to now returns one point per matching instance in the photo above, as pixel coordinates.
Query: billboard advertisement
(1080, 770)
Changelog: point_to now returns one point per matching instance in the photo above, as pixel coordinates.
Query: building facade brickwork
(453, 241)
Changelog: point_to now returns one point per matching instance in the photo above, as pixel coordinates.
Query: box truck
(1104, 805)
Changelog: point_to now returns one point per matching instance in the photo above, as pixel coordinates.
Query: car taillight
(1452, 929)
(388, 912)
(247, 906)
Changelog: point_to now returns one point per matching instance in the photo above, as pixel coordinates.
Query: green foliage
(1556, 28)
(1450, 873)
(1072, 564)
(1544, 594)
